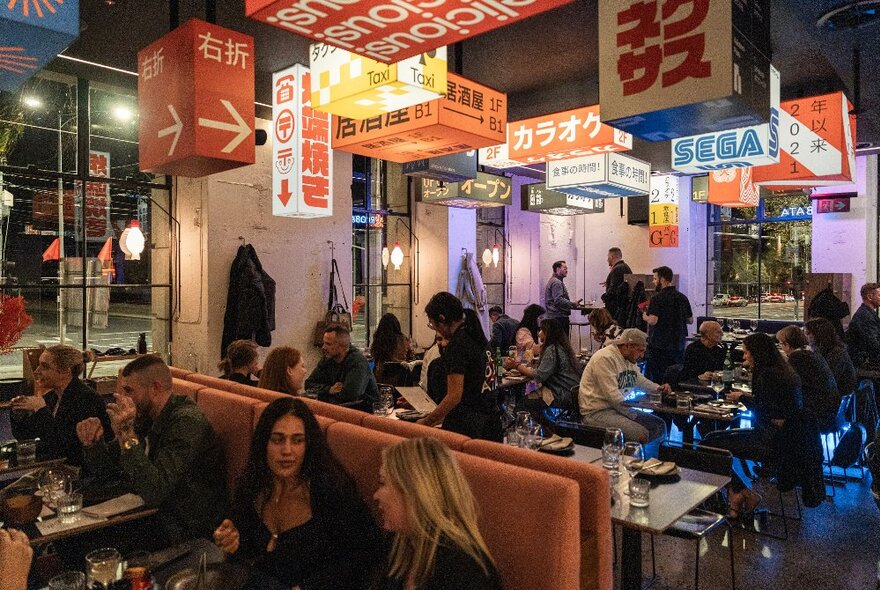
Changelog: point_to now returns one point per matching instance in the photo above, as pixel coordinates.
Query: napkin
(657, 467)
(117, 505)
(54, 525)
(556, 442)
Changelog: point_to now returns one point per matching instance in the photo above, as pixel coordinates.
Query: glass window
(490, 234)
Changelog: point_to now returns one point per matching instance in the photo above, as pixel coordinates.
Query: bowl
(20, 509)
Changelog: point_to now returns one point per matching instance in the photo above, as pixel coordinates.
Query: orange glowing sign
(471, 116)
(733, 187)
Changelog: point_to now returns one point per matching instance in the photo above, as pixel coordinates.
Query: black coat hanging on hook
(250, 301)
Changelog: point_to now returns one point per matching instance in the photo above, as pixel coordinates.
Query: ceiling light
(122, 113)
(32, 102)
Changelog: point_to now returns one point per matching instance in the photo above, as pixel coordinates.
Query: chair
(831, 429)
(697, 523)
(589, 436)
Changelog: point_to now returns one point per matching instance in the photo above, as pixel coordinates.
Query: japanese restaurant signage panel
(600, 176)
(663, 211)
(497, 156)
(97, 210)
(470, 116)
(196, 101)
(302, 169)
(679, 68)
(816, 138)
(538, 198)
(392, 30)
(733, 187)
(355, 86)
(32, 33)
(451, 168)
(746, 146)
(486, 190)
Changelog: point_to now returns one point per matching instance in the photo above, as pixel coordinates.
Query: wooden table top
(672, 410)
(94, 524)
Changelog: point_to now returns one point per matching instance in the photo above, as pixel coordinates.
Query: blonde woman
(425, 500)
(283, 371)
(241, 362)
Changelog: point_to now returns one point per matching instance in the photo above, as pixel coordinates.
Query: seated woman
(527, 333)
(283, 371)
(296, 515)
(389, 346)
(824, 339)
(817, 381)
(241, 362)
(603, 328)
(425, 501)
(776, 397)
(433, 379)
(61, 402)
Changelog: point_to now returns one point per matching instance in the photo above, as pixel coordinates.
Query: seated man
(503, 329)
(863, 332)
(705, 355)
(610, 370)
(178, 467)
(343, 375)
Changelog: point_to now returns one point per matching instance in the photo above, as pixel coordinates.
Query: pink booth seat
(232, 417)
(179, 373)
(528, 518)
(339, 413)
(453, 440)
(323, 421)
(187, 388)
(595, 504)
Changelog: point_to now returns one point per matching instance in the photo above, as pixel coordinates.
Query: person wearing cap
(600, 395)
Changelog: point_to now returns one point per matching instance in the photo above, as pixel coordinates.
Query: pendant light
(134, 240)
(386, 257)
(397, 256)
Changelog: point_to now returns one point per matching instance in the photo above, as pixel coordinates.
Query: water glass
(26, 452)
(312, 393)
(639, 492)
(683, 402)
(511, 352)
(535, 437)
(611, 448)
(69, 506)
(102, 567)
(753, 324)
(379, 408)
(512, 437)
(68, 581)
(53, 483)
(386, 396)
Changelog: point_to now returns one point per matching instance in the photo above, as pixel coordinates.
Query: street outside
(790, 310)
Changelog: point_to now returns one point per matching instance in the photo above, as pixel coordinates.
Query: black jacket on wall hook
(250, 301)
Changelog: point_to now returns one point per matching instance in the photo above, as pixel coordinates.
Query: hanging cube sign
(196, 101)
(470, 116)
(733, 187)
(600, 176)
(32, 33)
(486, 190)
(498, 156)
(816, 138)
(351, 85)
(676, 69)
(537, 198)
(451, 168)
(578, 132)
(748, 146)
(663, 211)
(302, 162)
(392, 30)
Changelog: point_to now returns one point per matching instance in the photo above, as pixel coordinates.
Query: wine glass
(633, 458)
(717, 384)
(753, 324)
(523, 427)
(102, 566)
(611, 448)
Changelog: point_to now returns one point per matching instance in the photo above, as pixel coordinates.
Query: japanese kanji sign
(32, 33)
(302, 162)
(196, 100)
(747, 146)
(392, 30)
(97, 203)
(538, 198)
(451, 168)
(663, 211)
(674, 68)
(816, 137)
(358, 87)
(600, 176)
(486, 190)
(733, 187)
(469, 117)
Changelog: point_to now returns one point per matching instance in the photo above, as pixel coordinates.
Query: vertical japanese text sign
(302, 163)
(733, 187)
(32, 33)
(196, 99)
(97, 197)
(663, 211)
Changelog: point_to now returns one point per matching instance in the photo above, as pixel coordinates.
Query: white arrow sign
(240, 127)
(175, 129)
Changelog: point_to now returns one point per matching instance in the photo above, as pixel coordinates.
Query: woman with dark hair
(284, 371)
(817, 380)
(603, 328)
(389, 345)
(296, 515)
(527, 332)
(775, 397)
(466, 408)
(241, 362)
(824, 339)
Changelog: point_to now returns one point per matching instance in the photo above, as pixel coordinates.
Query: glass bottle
(727, 373)
(142, 343)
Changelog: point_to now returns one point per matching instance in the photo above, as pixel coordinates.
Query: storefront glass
(490, 232)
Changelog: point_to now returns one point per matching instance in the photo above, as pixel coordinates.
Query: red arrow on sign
(285, 195)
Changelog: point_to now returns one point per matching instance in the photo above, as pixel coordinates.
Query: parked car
(720, 299)
(737, 301)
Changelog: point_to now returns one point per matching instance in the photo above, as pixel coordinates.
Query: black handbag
(336, 313)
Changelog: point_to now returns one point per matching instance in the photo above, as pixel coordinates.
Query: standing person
(668, 315)
(527, 333)
(241, 362)
(556, 298)
(863, 332)
(284, 371)
(503, 329)
(468, 408)
(61, 402)
(426, 502)
(614, 280)
(344, 374)
(389, 345)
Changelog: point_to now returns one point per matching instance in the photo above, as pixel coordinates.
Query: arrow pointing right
(175, 129)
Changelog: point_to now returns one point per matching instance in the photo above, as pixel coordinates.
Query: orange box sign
(578, 132)
(733, 187)
(471, 116)
(196, 100)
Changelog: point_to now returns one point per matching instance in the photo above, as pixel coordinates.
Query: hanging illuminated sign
(451, 168)
(351, 85)
(700, 189)
(663, 211)
(32, 33)
(486, 190)
(676, 69)
(733, 187)
(498, 156)
(600, 176)
(372, 221)
(538, 198)
(302, 170)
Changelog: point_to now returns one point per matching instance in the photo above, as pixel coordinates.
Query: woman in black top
(469, 407)
(817, 380)
(297, 517)
(426, 502)
(241, 362)
(389, 345)
(775, 397)
(824, 339)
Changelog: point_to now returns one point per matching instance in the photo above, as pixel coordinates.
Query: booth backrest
(529, 519)
(595, 504)
(340, 413)
(323, 421)
(187, 388)
(232, 417)
(452, 440)
(179, 373)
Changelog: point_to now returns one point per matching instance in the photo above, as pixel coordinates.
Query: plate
(567, 450)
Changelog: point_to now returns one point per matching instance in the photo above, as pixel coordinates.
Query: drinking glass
(53, 484)
(523, 427)
(535, 438)
(633, 458)
(683, 402)
(102, 566)
(639, 492)
(386, 396)
(717, 385)
(26, 452)
(379, 408)
(68, 581)
(611, 448)
(511, 352)
(655, 396)
(69, 506)
(753, 324)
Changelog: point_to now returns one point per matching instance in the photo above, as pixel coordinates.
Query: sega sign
(757, 145)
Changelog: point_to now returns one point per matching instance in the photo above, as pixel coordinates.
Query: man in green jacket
(344, 374)
(178, 467)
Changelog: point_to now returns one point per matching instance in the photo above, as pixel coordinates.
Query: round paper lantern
(133, 241)
(396, 256)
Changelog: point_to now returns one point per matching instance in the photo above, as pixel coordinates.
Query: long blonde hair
(439, 505)
(274, 373)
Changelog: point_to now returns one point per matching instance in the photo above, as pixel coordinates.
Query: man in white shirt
(609, 372)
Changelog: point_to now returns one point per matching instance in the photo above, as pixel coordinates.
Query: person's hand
(122, 413)
(734, 395)
(707, 376)
(89, 431)
(31, 403)
(426, 421)
(226, 537)
(580, 303)
(510, 363)
(15, 559)
(336, 387)
(665, 388)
